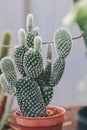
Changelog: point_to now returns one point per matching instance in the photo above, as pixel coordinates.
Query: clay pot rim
(42, 118)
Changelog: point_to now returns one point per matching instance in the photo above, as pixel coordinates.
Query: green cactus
(6, 40)
(4, 86)
(35, 87)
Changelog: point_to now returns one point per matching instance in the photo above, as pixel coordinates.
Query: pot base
(42, 123)
(57, 127)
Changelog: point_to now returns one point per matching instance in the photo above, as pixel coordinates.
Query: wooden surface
(70, 122)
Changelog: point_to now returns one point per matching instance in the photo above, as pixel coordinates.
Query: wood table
(70, 122)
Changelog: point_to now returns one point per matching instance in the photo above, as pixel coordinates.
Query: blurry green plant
(78, 15)
(4, 109)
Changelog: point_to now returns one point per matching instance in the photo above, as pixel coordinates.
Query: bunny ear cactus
(78, 15)
(34, 89)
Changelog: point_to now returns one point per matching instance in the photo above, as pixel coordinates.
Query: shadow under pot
(42, 123)
(82, 119)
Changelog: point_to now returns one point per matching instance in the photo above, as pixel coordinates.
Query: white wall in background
(48, 16)
(11, 17)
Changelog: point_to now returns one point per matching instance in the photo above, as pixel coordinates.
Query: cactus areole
(35, 87)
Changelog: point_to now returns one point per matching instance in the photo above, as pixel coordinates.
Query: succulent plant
(4, 86)
(35, 87)
(6, 39)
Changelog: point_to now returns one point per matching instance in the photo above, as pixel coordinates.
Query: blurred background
(48, 15)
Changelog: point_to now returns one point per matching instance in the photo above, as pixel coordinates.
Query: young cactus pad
(35, 87)
(20, 51)
(33, 62)
(58, 70)
(63, 42)
(8, 69)
(5, 85)
(48, 68)
(31, 31)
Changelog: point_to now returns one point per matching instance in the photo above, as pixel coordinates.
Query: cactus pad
(5, 86)
(29, 98)
(48, 68)
(22, 36)
(7, 67)
(11, 77)
(31, 33)
(6, 64)
(58, 70)
(63, 42)
(18, 58)
(47, 93)
(6, 40)
(46, 89)
(33, 63)
(30, 39)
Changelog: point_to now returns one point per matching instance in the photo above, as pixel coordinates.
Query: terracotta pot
(42, 123)
(82, 118)
(2, 107)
